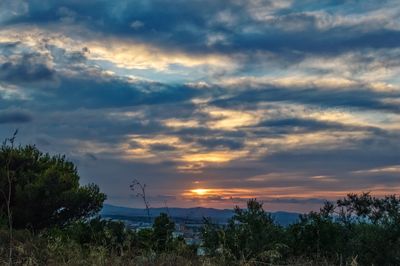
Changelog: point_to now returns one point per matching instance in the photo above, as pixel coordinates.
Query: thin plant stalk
(140, 190)
(9, 195)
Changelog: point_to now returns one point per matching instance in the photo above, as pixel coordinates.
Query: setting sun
(200, 191)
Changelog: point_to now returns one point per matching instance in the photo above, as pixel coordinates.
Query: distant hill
(191, 214)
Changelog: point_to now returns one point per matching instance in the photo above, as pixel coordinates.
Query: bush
(251, 234)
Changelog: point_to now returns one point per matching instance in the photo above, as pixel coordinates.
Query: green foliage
(356, 230)
(45, 189)
(112, 235)
(251, 234)
(317, 236)
(95, 242)
(358, 226)
(162, 232)
(145, 240)
(213, 237)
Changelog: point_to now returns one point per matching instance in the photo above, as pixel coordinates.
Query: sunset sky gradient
(209, 102)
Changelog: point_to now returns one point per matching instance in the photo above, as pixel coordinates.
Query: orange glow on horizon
(208, 193)
(199, 191)
(230, 194)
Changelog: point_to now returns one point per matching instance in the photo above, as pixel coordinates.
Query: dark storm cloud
(6, 48)
(66, 80)
(213, 143)
(93, 90)
(26, 68)
(102, 93)
(187, 25)
(301, 125)
(11, 117)
(320, 97)
(162, 147)
(337, 162)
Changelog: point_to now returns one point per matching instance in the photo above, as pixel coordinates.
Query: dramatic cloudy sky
(209, 102)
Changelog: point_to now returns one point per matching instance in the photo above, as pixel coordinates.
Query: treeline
(357, 230)
(47, 218)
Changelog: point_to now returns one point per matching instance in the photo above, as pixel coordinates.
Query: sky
(209, 103)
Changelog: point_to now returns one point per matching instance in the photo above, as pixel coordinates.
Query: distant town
(188, 221)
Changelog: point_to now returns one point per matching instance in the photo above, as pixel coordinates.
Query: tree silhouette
(45, 189)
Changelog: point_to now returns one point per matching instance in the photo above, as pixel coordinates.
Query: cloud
(247, 25)
(389, 169)
(333, 98)
(10, 9)
(26, 68)
(102, 92)
(213, 143)
(162, 147)
(15, 117)
(303, 125)
(288, 101)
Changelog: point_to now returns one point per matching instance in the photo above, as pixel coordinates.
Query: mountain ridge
(193, 213)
